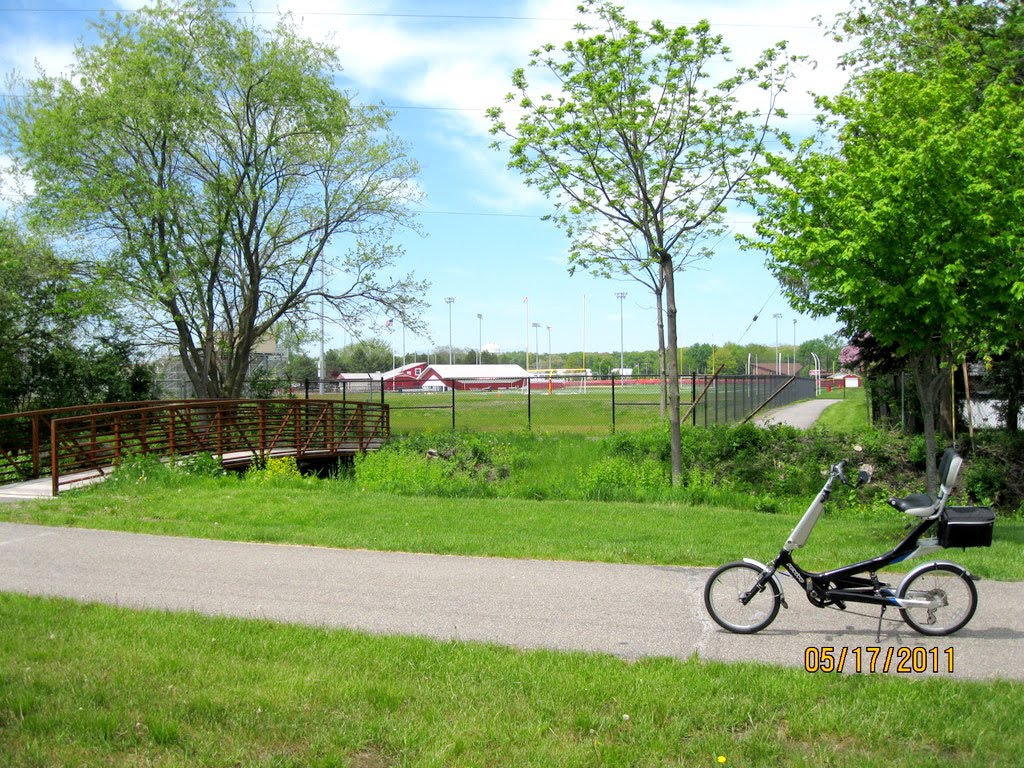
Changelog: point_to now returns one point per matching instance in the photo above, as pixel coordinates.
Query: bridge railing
(76, 444)
(236, 431)
(25, 437)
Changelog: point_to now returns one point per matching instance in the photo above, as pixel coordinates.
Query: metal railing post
(54, 463)
(36, 458)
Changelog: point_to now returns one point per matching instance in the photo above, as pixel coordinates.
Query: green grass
(848, 415)
(338, 514)
(97, 686)
(88, 685)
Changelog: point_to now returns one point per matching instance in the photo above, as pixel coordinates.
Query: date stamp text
(870, 659)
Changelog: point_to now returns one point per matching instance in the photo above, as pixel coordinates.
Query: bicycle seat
(916, 504)
(923, 505)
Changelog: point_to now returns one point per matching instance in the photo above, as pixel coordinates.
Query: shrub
(282, 470)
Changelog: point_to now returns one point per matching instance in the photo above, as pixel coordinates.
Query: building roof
(494, 371)
(404, 370)
(359, 376)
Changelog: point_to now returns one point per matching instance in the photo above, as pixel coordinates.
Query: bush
(276, 471)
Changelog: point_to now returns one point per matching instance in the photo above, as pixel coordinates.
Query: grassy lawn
(100, 686)
(338, 514)
(850, 414)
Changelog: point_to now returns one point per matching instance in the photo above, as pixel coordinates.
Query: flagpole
(584, 342)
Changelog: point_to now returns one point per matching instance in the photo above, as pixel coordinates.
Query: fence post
(693, 399)
(307, 388)
(613, 403)
(529, 403)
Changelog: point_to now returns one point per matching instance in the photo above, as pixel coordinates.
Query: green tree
(826, 348)
(365, 356)
(221, 179)
(638, 147)
(697, 358)
(911, 228)
(60, 343)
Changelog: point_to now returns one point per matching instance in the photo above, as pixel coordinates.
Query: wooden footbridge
(77, 445)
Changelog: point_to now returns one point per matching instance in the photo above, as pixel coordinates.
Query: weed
(275, 471)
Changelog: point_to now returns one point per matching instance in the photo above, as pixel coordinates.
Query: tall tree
(59, 342)
(911, 229)
(638, 144)
(223, 180)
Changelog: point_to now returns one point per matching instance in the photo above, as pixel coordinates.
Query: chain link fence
(552, 404)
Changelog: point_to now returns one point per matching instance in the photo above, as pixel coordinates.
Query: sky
(439, 64)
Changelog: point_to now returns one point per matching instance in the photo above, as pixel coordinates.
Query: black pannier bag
(966, 527)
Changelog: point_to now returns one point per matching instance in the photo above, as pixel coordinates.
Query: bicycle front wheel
(951, 595)
(724, 593)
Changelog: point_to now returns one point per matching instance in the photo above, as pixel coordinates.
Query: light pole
(549, 348)
(777, 315)
(536, 339)
(480, 345)
(817, 374)
(622, 347)
(449, 301)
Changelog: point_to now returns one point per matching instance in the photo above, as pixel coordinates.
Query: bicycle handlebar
(863, 475)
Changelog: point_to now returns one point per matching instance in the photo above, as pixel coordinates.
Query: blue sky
(439, 64)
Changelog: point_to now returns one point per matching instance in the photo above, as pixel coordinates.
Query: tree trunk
(668, 273)
(662, 371)
(929, 377)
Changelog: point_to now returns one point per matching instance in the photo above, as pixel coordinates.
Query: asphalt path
(800, 415)
(626, 610)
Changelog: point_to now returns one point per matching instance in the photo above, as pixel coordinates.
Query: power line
(381, 15)
(420, 108)
(743, 335)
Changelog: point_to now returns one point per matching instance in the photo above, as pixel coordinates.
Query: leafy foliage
(59, 344)
(639, 149)
(905, 218)
(218, 176)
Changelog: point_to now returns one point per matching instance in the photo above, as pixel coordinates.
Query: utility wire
(751, 325)
(381, 15)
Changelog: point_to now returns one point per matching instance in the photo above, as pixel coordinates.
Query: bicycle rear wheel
(723, 595)
(952, 593)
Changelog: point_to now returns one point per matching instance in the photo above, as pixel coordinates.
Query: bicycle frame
(845, 584)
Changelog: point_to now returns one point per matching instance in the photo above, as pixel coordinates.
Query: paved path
(800, 415)
(630, 611)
